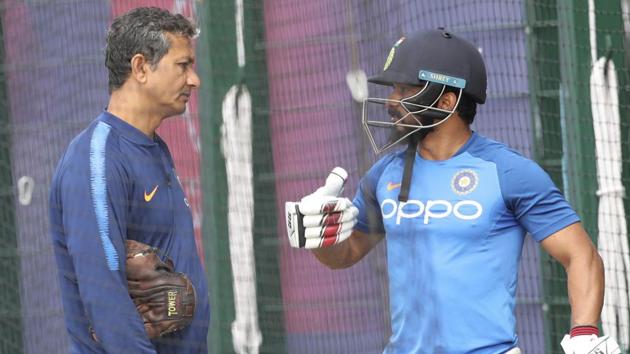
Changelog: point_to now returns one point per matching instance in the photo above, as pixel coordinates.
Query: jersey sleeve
(95, 201)
(534, 199)
(370, 219)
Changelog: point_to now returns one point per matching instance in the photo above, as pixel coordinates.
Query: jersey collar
(461, 150)
(471, 139)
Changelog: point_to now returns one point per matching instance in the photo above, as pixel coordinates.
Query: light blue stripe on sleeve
(99, 191)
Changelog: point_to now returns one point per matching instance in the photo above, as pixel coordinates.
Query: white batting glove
(322, 219)
(589, 344)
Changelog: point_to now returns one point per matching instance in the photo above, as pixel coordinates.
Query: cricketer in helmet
(454, 209)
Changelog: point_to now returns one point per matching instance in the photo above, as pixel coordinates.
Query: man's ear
(447, 101)
(139, 68)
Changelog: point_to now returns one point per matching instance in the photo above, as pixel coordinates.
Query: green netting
(229, 82)
(582, 153)
(10, 310)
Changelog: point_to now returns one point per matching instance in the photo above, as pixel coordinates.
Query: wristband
(584, 331)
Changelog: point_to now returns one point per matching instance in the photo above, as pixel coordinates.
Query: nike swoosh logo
(391, 186)
(148, 197)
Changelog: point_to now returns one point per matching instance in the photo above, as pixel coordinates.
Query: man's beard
(398, 132)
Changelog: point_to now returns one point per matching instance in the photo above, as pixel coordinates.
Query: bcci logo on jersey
(464, 182)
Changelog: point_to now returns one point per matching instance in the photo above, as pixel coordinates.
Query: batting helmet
(434, 60)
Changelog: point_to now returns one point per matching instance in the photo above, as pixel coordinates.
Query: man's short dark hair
(141, 31)
(467, 107)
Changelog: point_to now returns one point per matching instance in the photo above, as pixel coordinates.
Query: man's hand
(589, 344)
(321, 219)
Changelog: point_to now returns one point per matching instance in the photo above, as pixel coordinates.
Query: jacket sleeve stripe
(98, 186)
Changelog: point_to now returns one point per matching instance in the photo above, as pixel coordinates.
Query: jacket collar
(127, 130)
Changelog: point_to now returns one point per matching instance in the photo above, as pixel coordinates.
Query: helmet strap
(410, 155)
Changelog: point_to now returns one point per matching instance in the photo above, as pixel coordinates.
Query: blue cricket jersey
(115, 183)
(454, 247)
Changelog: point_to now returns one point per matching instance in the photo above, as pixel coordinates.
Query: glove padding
(589, 344)
(322, 219)
(165, 299)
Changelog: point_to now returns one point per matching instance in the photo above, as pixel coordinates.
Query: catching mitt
(165, 299)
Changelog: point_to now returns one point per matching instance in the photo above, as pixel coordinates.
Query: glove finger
(147, 271)
(328, 230)
(343, 236)
(327, 241)
(149, 296)
(148, 289)
(152, 331)
(321, 219)
(144, 288)
(153, 294)
(157, 314)
(330, 219)
(324, 205)
(142, 308)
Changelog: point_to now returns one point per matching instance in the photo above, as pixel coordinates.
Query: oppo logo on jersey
(430, 209)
